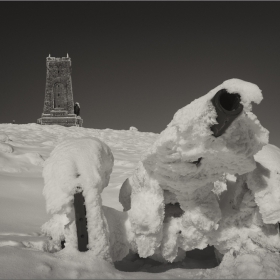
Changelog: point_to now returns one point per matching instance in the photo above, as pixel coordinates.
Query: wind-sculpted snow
(264, 182)
(6, 148)
(187, 165)
(74, 165)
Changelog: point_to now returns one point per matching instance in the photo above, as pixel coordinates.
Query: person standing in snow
(77, 109)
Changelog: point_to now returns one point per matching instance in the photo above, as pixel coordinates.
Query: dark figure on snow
(77, 109)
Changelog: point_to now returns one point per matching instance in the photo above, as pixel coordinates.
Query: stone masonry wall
(59, 71)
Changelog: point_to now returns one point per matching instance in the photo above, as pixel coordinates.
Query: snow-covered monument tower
(59, 104)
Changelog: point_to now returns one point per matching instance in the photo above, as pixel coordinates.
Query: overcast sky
(137, 63)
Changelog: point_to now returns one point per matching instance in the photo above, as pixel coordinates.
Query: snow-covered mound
(205, 177)
(78, 165)
(6, 148)
(3, 137)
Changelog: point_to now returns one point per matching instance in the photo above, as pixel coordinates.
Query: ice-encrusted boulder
(206, 178)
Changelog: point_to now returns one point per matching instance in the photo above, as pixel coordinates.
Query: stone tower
(59, 104)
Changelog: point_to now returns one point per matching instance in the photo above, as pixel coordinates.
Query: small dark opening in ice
(173, 210)
(229, 101)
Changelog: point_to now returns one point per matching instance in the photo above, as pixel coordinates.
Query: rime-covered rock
(202, 174)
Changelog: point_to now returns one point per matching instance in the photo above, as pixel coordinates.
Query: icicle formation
(181, 169)
(83, 163)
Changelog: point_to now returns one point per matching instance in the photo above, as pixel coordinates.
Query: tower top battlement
(58, 58)
(52, 58)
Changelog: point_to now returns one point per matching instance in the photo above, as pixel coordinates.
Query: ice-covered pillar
(75, 167)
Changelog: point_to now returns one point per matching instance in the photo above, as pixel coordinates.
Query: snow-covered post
(81, 221)
(78, 168)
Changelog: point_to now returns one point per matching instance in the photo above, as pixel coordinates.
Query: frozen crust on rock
(264, 182)
(188, 162)
(84, 163)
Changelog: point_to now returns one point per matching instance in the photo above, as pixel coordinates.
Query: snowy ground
(22, 208)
